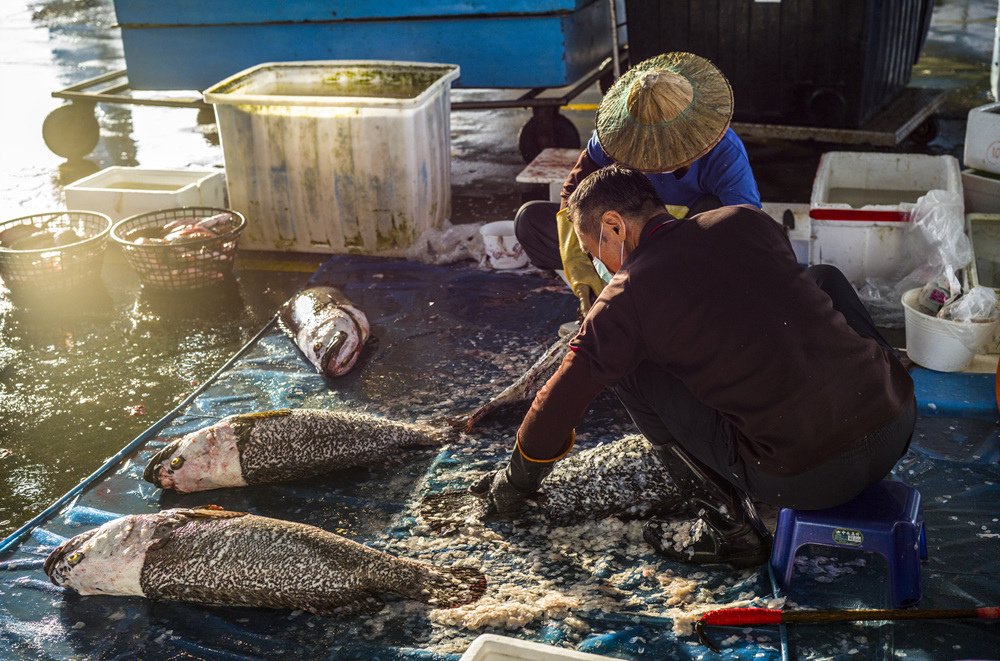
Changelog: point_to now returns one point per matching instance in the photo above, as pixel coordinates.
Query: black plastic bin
(814, 62)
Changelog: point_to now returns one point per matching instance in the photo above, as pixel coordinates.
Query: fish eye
(177, 462)
(74, 558)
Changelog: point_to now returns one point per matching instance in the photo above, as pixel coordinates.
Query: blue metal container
(192, 44)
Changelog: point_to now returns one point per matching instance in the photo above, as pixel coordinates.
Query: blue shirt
(723, 172)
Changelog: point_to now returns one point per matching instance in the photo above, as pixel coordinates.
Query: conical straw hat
(665, 112)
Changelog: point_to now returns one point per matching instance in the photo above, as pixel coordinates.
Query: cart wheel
(71, 131)
(535, 136)
(925, 132)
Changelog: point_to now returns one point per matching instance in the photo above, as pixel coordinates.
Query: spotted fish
(326, 327)
(527, 385)
(281, 445)
(623, 478)
(215, 557)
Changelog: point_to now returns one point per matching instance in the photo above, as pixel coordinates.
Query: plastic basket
(188, 264)
(59, 268)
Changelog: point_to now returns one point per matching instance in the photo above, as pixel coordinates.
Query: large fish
(527, 385)
(326, 327)
(276, 446)
(214, 557)
(623, 478)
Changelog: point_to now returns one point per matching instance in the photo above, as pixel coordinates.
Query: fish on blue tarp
(326, 327)
(215, 557)
(623, 478)
(281, 445)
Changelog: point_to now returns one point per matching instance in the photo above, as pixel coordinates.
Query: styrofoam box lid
(491, 647)
(878, 171)
(105, 179)
(338, 83)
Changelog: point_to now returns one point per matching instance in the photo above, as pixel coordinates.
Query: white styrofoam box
(795, 214)
(982, 191)
(861, 203)
(982, 138)
(120, 192)
(337, 156)
(491, 647)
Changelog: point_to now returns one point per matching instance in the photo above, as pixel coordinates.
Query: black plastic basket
(187, 264)
(58, 268)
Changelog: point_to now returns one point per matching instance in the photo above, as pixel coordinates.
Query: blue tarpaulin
(446, 338)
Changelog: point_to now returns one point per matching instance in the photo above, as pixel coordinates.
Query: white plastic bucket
(942, 344)
(502, 246)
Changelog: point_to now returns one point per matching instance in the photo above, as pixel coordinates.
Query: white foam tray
(491, 647)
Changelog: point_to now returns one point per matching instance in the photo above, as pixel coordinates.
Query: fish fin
(445, 512)
(261, 415)
(214, 512)
(353, 603)
(447, 587)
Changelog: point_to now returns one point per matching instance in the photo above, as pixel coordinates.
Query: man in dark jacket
(756, 379)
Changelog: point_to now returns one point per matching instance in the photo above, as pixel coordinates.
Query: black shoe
(707, 540)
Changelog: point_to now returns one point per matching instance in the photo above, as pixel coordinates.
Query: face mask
(602, 270)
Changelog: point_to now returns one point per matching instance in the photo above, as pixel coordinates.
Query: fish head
(338, 340)
(105, 560)
(205, 459)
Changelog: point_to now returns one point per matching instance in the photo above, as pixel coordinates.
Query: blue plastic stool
(885, 518)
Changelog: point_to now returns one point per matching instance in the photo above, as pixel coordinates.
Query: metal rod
(614, 38)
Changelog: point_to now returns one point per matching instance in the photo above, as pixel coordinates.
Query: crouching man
(756, 379)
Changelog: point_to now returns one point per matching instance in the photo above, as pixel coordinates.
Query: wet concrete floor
(79, 378)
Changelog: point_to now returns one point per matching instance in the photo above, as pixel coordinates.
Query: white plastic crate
(119, 192)
(982, 138)
(337, 156)
(981, 190)
(491, 647)
(861, 203)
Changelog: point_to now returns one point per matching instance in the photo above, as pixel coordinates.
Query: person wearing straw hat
(755, 379)
(668, 117)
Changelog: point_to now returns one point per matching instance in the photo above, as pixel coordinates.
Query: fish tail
(447, 587)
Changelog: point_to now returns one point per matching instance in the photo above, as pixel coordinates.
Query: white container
(119, 192)
(984, 270)
(982, 138)
(491, 647)
(795, 215)
(982, 191)
(942, 344)
(502, 246)
(861, 204)
(337, 156)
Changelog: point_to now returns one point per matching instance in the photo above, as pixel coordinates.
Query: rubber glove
(508, 489)
(580, 271)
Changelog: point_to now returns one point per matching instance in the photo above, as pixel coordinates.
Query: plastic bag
(449, 244)
(978, 304)
(937, 247)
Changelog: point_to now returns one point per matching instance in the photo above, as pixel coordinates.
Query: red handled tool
(745, 617)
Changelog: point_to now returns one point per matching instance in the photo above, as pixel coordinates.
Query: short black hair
(612, 188)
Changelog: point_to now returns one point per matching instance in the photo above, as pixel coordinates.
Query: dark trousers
(665, 411)
(535, 228)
